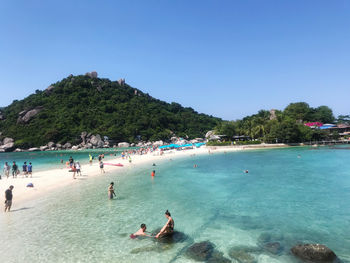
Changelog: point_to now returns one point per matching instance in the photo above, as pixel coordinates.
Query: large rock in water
(314, 253)
(200, 251)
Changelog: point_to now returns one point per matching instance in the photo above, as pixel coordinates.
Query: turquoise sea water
(52, 159)
(282, 199)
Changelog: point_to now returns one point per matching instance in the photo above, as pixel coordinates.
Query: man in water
(14, 169)
(140, 232)
(71, 161)
(8, 198)
(111, 192)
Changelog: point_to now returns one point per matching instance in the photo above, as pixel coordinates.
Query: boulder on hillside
(123, 145)
(75, 147)
(7, 140)
(51, 144)
(8, 147)
(2, 116)
(49, 90)
(58, 145)
(92, 74)
(95, 139)
(83, 137)
(67, 145)
(18, 150)
(314, 253)
(44, 148)
(26, 116)
(158, 143)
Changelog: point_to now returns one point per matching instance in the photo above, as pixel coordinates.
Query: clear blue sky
(225, 58)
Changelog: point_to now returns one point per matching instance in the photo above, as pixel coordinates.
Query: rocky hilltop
(87, 111)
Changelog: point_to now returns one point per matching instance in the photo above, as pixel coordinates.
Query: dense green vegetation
(287, 126)
(100, 106)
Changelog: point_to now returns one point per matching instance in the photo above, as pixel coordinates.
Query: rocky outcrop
(121, 82)
(8, 147)
(123, 145)
(2, 116)
(58, 145)
(51, 145)
(92, 74)
(158, 143)
(75, 147)
(26, 115)
(83, 137)
(44, 148)
(18, 150)
(314, 253)
(7, 140)
(67, 145)
(95, 140)
(49, 90)
(34, 149)
(273, 247)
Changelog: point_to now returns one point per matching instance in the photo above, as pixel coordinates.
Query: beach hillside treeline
(287, 126)
(98, 106)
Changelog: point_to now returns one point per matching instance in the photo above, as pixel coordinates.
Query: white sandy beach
(53, 180)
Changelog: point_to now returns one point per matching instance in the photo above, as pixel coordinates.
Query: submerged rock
(273, 247)
(315, 253)
(175, 237)
(218, 257)
(200, 251)
(242, 254)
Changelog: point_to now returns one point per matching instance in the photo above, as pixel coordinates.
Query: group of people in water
(27, 170)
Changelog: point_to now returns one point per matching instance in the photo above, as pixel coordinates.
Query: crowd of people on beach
(8, 170)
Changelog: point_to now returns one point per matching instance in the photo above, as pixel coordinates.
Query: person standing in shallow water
(14, 169)
(168, 228)
(8, 198)
(111, 192)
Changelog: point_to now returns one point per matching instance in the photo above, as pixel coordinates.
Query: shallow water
(283, 198)
(52, 159)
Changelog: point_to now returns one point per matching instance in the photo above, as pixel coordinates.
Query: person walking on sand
(30, 169)
(78, 168)
(14, 169)
(7, 169)
(111, 192)
(74, 170)
(8, 198)
(101, 167)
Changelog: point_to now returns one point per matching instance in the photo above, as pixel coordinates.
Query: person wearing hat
(8, 198)
(111, 192)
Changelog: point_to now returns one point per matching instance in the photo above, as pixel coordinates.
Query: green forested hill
(82, 103)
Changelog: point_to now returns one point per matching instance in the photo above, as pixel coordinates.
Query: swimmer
(246, 171)
(299, 156)
(195, 166)
(140, 232)
(153, 173)
(153, 164)
(168, 228)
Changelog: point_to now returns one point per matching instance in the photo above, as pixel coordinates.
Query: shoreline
(53, 179)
